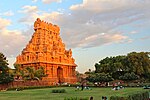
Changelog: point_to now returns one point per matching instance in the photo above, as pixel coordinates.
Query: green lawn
(45, 94)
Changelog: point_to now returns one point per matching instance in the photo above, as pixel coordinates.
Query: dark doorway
(60, 74)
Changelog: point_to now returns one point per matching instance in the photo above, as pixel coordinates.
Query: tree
(110, 65)
(5, 77)
(129, 77)
(139, 63)
(39, 73)
(29, 72)
(18, 72)
(99, 77)
(89, 72)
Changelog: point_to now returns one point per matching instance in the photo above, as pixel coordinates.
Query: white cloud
(31, 13)
(30, 18)
(51, 17)
(133, 32)
(4, 23)
(101, 39)
(11, 41)
(50, 1)
(29, 9)
(92, 17)
(8, 13)
(93, 22)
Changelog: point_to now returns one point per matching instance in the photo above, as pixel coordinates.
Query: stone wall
(17, 84)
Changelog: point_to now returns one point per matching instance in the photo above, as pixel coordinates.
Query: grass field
(46, 94)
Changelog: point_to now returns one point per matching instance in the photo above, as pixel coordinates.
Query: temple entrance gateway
(46, 49)
(60, 75)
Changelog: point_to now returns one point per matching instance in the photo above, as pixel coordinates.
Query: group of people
(117, 88)
(83, 87)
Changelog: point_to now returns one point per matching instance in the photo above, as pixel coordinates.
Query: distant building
(46, 49)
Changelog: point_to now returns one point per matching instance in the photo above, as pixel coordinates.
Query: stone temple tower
(46, 49)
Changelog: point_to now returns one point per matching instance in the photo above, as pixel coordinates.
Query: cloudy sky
(94, 29)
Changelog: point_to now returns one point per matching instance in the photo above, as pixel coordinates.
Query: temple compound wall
(46, 49)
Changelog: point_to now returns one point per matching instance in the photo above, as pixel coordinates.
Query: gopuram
(46, 49)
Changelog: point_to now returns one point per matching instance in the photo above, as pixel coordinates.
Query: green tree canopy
(139, 63)
(99, 77)
(29, 72)
(129, 77)
(4, 70)
(111, 64)
(126, 65)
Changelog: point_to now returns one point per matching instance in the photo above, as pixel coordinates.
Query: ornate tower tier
(46, 49)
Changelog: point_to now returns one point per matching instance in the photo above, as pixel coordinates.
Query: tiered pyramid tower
(46, 49)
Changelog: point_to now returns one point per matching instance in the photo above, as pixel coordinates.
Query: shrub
(138, 96)
(59, 91)
(114, 98)
(71, 98)
(30, 87)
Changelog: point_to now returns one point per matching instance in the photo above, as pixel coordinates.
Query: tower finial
(38, 19)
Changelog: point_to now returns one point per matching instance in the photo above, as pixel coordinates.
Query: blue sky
(94, 29)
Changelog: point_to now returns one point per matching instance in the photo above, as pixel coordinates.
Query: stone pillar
(68, 71)
(51, 71)
(64, 71)
(54, 70)
(71, 71)
(74, 73)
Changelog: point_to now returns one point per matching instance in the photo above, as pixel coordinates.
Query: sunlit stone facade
(46, 49)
